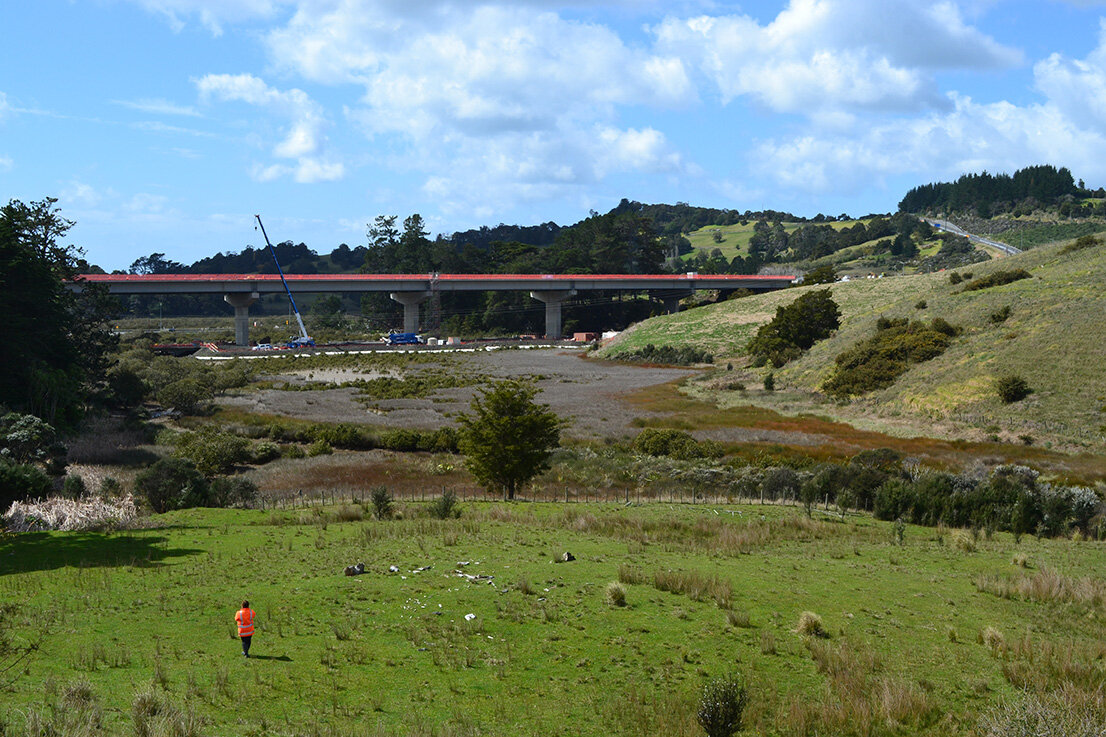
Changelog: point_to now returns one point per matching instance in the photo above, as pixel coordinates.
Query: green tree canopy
(508, 438)
(56, 342)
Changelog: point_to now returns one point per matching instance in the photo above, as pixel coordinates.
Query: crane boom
(304, 337)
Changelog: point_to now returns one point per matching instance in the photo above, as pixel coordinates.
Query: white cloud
(303, 139)
(4, 107)
(501, 101)
(81, 194)
(6, 163)
(213, 14)
(835, 55)
(159, 107)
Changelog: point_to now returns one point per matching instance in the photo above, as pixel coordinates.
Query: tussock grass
(810, 625)
(616, 594)
(1046, 585)
(1066, 712)
(695, 586)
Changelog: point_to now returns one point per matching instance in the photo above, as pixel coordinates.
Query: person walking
(244, 620)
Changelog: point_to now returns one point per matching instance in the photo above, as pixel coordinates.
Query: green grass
(1026, 238)
(708, 590)
(1046, 340)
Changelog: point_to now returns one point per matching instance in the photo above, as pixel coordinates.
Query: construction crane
(303, 340)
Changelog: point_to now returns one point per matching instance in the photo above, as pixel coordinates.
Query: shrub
(445, 506)
(400, 440)
(172, 483)
(232, 492)
(383, 505)
(770, 382)
(955, 278)
(876, 362)
(21, 481)
(319, 448)
(674, 444)
(1012, 388)
(73, 487)
(921, 304)
(265, 452)
(213, 452)
(998, 278)
(1000, 316)
(616, 594)
(810, 625)
(184, 395)
(721, 706)
(673, 355)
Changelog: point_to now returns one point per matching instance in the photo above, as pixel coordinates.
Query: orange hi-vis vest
(244, 618)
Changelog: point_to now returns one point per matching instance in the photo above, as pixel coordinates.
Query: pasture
(481, 630)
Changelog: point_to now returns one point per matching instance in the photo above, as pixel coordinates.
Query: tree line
(988, 194)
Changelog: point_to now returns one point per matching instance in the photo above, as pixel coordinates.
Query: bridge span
(242, 290)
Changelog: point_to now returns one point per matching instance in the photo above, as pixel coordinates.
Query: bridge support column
(410, 302)
(671, 301)
(553, 300)
(241, 302)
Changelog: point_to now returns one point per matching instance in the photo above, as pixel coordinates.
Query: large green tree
(508, 438)
(56, 343)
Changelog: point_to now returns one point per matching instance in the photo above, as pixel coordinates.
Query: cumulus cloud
(303, 140)
(4, 107)
(488, 96)
(834, 54)
(6, 163)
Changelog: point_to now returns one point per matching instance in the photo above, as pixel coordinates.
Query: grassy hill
(1053, 337)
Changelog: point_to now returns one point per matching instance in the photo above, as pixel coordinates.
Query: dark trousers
(246, 644)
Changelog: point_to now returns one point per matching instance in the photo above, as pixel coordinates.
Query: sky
(164, 126)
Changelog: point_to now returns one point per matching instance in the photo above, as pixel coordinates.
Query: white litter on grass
(469, 617)
(393, 569)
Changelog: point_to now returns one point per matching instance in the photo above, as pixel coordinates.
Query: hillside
(1052, 338)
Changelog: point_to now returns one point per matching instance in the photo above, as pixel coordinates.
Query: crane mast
(304, 338)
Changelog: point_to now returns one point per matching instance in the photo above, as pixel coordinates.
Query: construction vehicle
(403, 339)
(303, 340)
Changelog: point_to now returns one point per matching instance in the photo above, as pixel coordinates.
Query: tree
(56, 345)
(508, 438)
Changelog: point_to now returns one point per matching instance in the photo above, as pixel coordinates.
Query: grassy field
(480, 631)
(1047, 339)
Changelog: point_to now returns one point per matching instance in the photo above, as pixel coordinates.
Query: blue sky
(164, 125)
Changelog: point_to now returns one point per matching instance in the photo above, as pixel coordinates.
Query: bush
(770, 382)
(998, 278)
(319, 448)
(875, 363)
(172, 483)
(383, 506)
(1000, 316)
(265, 452)
(235, 491)
(184, 395)
(1012, 388)
(445, 506)
(675, 444)
(921, 304)
(213, 452)
(721, 706)
(73, 487)
(672, 355)
(21, 481)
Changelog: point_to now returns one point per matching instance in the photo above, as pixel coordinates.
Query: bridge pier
(410, 302)
(241, 302)
(553, 300)
(671, 301)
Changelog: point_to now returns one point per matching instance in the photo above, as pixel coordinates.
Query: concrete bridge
(242, 290)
